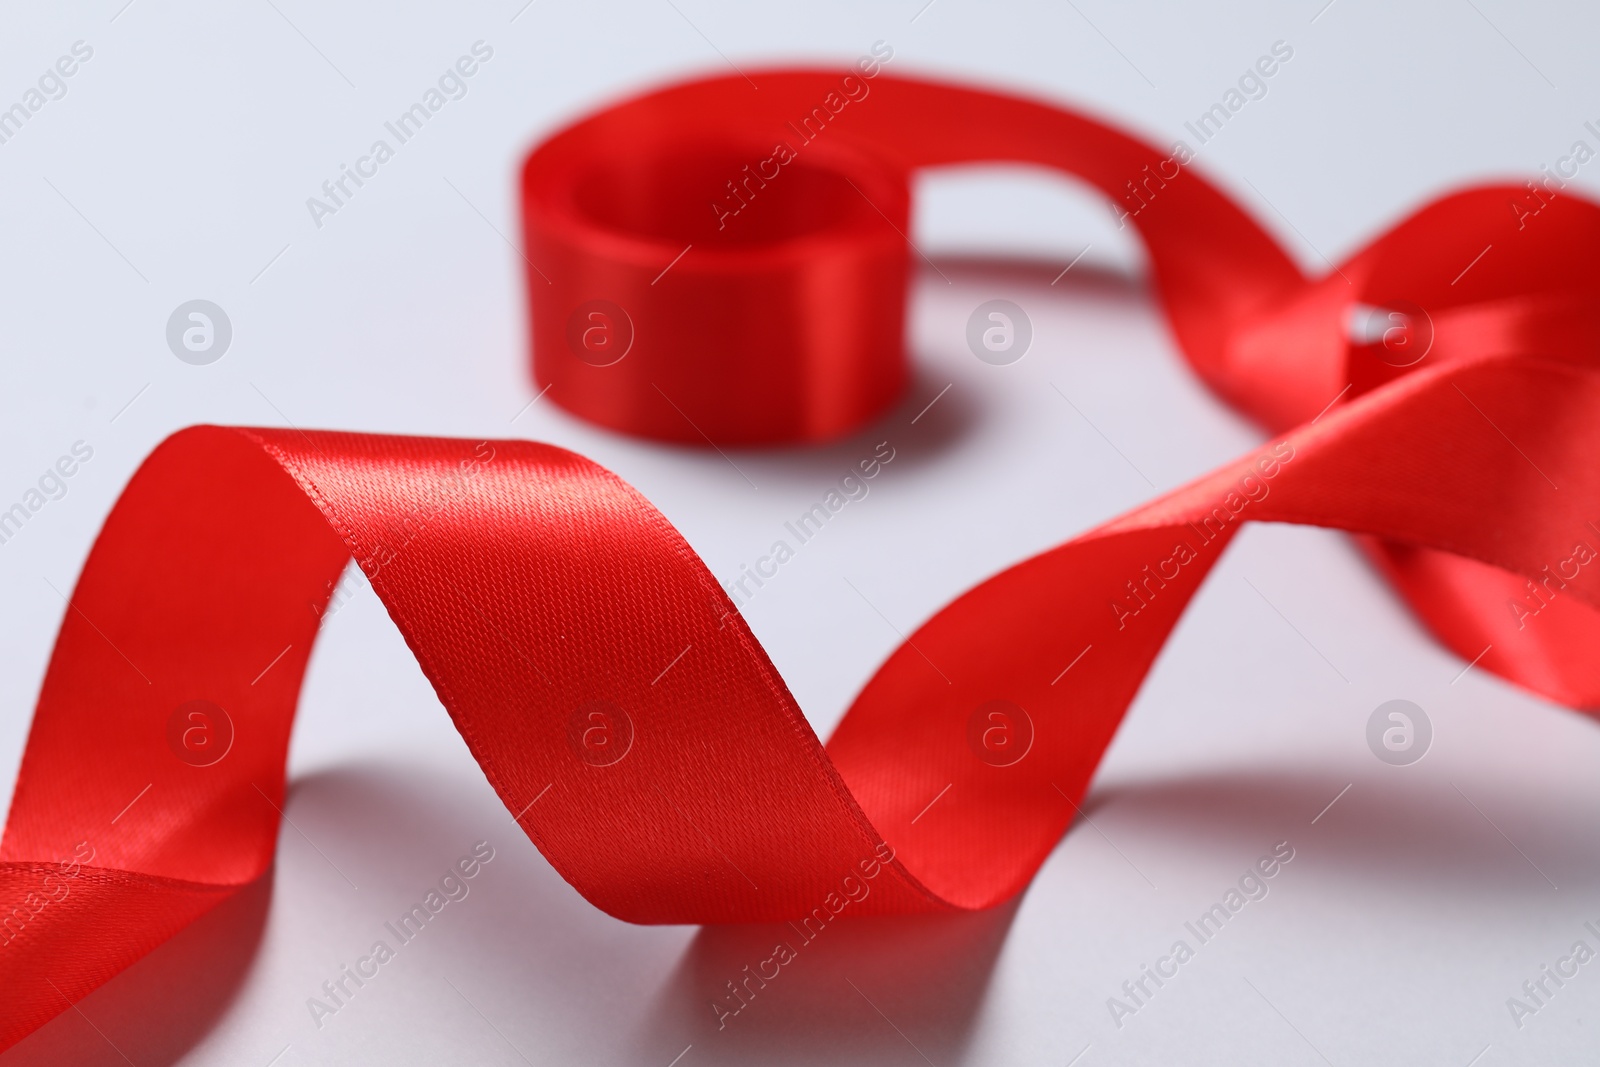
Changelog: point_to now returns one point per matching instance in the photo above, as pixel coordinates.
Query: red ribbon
(543, 597)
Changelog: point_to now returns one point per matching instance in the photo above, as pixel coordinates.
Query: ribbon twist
(543, 597)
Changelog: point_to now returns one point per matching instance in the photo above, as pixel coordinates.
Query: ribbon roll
(542, 596)
(711, 262)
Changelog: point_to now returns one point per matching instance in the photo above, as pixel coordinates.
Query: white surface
(190, 142)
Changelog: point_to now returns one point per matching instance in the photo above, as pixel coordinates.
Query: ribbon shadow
(870, 990)
(1427, 837)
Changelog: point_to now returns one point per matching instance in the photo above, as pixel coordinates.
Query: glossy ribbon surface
(543, 597)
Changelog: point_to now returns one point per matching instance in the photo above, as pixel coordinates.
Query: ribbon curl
(542, 596)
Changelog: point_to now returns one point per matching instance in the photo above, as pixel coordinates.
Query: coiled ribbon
(543, 597)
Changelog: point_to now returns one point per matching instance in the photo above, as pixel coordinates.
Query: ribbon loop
(613, 696)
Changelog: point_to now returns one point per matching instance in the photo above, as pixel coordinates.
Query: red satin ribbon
(543, 597)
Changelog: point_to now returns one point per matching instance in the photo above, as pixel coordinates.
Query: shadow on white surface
(1424, 838)
(852, 994)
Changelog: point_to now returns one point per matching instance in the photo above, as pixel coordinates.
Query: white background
(177, 166)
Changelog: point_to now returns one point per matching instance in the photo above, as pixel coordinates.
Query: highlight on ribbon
(593, 664)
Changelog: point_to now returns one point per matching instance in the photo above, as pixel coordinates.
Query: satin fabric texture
(717, 264)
